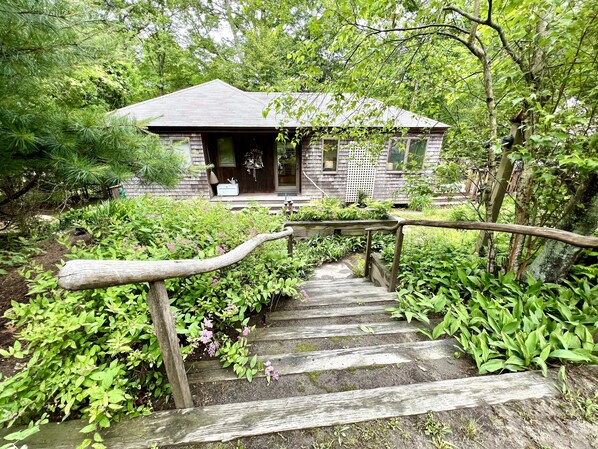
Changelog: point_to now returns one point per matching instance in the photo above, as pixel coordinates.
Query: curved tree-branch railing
(86, 274)
(89, 274)
(571, 238)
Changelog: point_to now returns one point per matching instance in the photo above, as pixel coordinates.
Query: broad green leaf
(492, 365)
(575, 355)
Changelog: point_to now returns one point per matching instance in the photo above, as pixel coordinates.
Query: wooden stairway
(342, 360)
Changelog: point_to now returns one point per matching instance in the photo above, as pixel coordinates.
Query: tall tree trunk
(523, 195)
(581, 217)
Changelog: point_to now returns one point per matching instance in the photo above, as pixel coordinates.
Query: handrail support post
(396, 259)
(367, 271)
(165, 331)
(290, 244)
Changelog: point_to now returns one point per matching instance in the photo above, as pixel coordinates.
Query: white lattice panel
(361, 171)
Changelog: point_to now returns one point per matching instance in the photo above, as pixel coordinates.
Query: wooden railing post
(396, 259)
(165, 330)
(368, 254)
(290, 246)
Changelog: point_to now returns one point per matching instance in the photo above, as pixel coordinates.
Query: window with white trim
(406, 153)
(329, 155)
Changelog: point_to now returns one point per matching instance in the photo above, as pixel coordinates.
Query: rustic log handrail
(571, 238)
(84, 274)
(89, 274)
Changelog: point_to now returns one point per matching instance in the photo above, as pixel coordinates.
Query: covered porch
(258, 163)
(273, 201)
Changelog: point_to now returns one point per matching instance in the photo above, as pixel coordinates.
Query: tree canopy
(522, 71)
(56, 84)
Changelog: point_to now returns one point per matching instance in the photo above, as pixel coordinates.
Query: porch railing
(571, 238)
(89, 274)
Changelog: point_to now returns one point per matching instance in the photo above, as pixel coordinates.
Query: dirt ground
(13, 287)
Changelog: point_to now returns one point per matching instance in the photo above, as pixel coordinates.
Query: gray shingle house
(219, 124)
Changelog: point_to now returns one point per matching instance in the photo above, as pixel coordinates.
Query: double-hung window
(329, 155)
(406, 153)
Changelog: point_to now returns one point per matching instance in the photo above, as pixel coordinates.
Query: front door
(287, 161)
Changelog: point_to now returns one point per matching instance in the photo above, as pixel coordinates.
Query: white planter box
(227, 189)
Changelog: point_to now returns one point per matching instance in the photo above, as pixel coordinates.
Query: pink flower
(245, 332)
(212, 349)
(275, 375)
(220, 249)
(171, 247)
(207, 323)
(269, 368)
(214, 281)
(205, 336)
(230, 306)
(304, 293)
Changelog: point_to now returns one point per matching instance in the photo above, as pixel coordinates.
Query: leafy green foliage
(318, 250)
(93, 353)
(47, 143)
(335, 209)
(18, 251)
(503, 324)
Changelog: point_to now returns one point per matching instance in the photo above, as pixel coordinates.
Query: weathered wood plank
(302, 314)
(86, 274)
(348, 280)
(344, 227)
(332, 330)
(396, 259)
(350, 287)
(348, 300)
(165, 331)
(550, 233)
(227, 422)
(326, 283)
(337, 359)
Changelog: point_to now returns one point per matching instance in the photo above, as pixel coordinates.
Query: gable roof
(216, 104)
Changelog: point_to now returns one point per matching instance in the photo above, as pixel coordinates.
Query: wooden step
(346, 300)
(337, 359)
(325, 284)
(332, 330)
(302, 314)
(231, 421)
(345, 290)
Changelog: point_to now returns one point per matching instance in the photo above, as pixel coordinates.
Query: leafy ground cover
(504, 324)
(93, 354)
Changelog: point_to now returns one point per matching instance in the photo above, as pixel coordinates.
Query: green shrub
(420, 202)
(464, 213)
(503, 324)
(335, 209)
(318, 250)
(93, 354)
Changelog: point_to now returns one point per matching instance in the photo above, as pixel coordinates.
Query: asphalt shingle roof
(216, 104)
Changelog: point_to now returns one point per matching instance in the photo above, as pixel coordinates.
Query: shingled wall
(191, 186)
(388, 185)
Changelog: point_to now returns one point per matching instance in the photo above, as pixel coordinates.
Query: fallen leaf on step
(366, 329)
